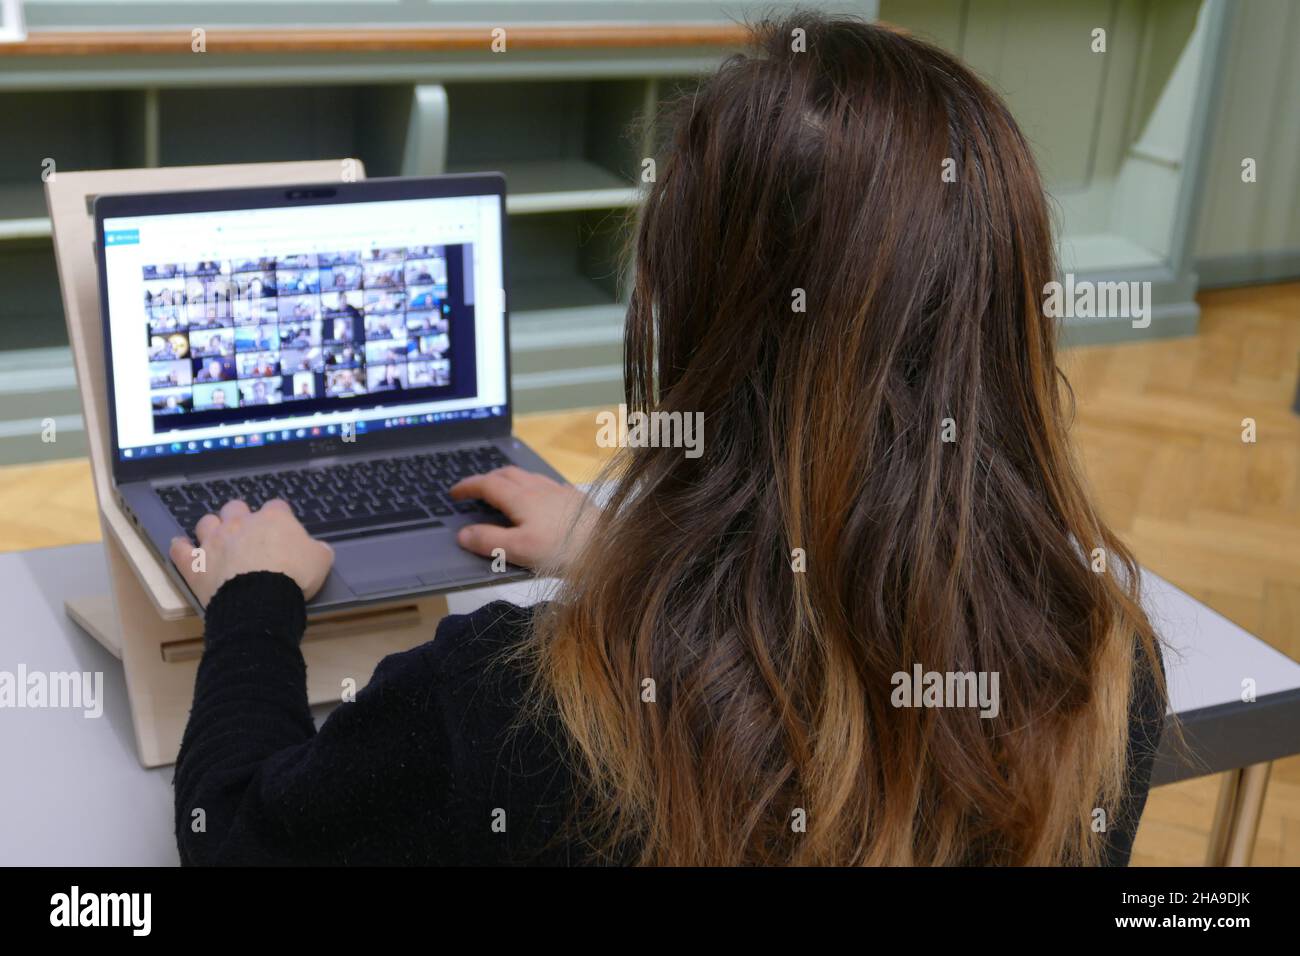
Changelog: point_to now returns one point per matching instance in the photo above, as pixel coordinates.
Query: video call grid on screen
(223, 322)
(245, 332)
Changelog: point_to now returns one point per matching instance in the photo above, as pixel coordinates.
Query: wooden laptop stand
(145, 621)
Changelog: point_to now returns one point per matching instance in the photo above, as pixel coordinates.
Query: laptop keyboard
(350, 499)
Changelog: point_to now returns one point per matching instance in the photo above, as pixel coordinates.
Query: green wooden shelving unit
(1119, 139)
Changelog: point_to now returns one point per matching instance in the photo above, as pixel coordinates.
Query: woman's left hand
(240, 540)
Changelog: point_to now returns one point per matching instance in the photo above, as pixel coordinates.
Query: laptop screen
(247, 327)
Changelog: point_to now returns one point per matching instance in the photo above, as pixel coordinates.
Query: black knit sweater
(429, 764)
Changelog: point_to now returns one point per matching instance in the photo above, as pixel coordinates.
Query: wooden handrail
(370, 40)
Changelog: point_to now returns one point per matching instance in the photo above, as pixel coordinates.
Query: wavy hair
(865, 338)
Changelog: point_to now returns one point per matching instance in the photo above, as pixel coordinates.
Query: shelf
(37, 386)
(1105, 252)
(568, 339)
(32, 308)
(538, 328)
(564, 260)
(60, 131)
(22, 212)
(564, 146)
(236, 125)
(560, 295)
(559, 185)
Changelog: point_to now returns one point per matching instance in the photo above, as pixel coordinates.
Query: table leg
(1236, 815)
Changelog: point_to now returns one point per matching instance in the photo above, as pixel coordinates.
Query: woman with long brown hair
(752, 652)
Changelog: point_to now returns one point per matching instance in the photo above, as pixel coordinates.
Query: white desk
(74, 793)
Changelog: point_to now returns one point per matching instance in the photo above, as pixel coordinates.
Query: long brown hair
(865, 338)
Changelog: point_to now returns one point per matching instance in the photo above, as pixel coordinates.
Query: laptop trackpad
(405, 562)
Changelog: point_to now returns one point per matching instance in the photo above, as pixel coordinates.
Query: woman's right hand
(551, 521)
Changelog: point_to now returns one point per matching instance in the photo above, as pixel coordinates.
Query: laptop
(344, 347)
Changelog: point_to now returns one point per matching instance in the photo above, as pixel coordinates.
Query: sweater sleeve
(257, 784)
